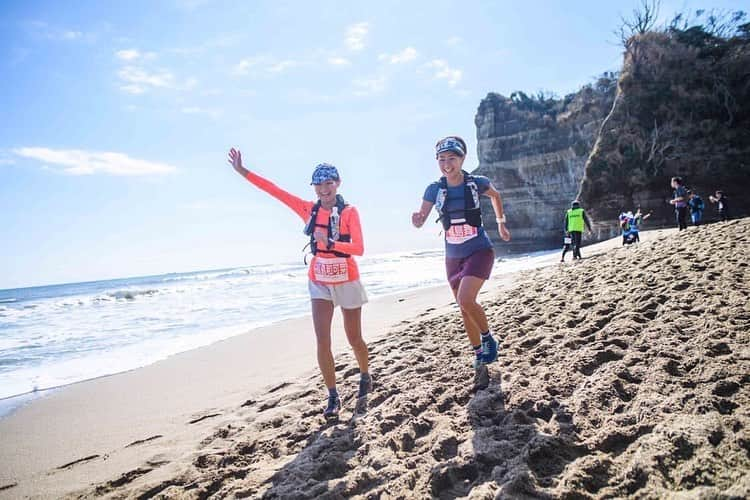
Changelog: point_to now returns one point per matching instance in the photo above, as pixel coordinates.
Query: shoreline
(10, 404)
(87, 432)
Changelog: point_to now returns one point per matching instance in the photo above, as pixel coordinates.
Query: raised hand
(234, 158)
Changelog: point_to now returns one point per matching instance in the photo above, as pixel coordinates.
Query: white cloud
(71, 35)
(355, 36)
(128, 54)
(338, 61)
(369, 86)
(406, 55)
(444, 72)
(134, 75)
(80, 162)
(43, 29)
(264, 64)
(282, 66)
(132, 89)
(246, 65)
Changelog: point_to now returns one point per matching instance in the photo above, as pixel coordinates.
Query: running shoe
(489, 349)
(365, 385)
(333, 408)
(481, 377)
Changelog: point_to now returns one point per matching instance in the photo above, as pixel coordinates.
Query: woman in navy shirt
(469, 255)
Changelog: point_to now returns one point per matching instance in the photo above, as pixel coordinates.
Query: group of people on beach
(686, 200)
(683, 200)
(335, 234)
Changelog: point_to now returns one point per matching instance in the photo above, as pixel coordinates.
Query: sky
(116, 118)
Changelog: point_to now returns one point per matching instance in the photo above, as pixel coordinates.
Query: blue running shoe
(489, 349)
(333, 408)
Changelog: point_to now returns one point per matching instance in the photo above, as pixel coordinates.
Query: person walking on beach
(722, 204)
(469, 255)
(333, 277)
(679, 201)
(575, 218)
(696, 205)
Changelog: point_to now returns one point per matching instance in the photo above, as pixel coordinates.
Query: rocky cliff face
(682, 108)
(534, 150)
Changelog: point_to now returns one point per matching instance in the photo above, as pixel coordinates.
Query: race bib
(456, 235)
(330, 270)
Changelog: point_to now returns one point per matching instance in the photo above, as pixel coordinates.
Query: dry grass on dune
(627, 374)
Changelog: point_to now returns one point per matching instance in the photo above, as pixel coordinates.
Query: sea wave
(132, 294)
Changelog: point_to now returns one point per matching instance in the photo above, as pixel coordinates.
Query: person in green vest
(575, 218)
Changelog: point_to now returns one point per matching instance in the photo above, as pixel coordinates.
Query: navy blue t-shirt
(680, 192)
(460, 241)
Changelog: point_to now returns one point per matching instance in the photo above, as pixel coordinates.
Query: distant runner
(575, 218)
(469, 255)
(335, 236)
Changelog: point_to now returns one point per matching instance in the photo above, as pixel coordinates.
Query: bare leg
(475, 320)
(322, 312)
(353, 329)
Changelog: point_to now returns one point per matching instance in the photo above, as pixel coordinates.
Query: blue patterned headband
(450, 144)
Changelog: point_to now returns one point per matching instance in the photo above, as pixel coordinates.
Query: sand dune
(626, 374)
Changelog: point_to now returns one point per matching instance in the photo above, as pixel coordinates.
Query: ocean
(51, 336)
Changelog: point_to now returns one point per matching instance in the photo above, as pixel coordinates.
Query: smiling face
(326, 192)
(450, 164)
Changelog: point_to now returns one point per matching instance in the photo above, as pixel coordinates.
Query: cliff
(682, 108)
(534, 149)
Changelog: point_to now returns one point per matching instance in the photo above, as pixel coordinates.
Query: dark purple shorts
(478, 264)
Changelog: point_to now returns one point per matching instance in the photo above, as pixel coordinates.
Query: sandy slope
(627, 374)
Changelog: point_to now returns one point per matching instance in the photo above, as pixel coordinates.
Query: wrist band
(500, 220)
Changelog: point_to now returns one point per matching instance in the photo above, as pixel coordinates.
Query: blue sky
(116, 118)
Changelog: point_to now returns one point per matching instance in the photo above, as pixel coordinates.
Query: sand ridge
(626, 374)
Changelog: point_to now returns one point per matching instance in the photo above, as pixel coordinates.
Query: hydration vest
(575, 220)
(333, 227)
(471, 214)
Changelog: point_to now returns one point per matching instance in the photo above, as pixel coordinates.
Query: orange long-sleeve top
(324, 266)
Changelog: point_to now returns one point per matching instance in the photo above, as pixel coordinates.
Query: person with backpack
(575, 218)
(469, 254)
(696, 205)
(335, 234)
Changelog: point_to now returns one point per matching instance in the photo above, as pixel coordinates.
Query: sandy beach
(623, 374)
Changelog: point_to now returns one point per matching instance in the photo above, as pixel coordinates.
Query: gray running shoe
(481, 377)
(365, 385)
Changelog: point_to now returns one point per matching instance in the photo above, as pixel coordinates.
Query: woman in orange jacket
(333, 278)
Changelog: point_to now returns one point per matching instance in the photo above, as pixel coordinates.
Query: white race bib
(456, 235)
(330, 270)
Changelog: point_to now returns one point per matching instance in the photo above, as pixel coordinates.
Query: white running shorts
(350, 295)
